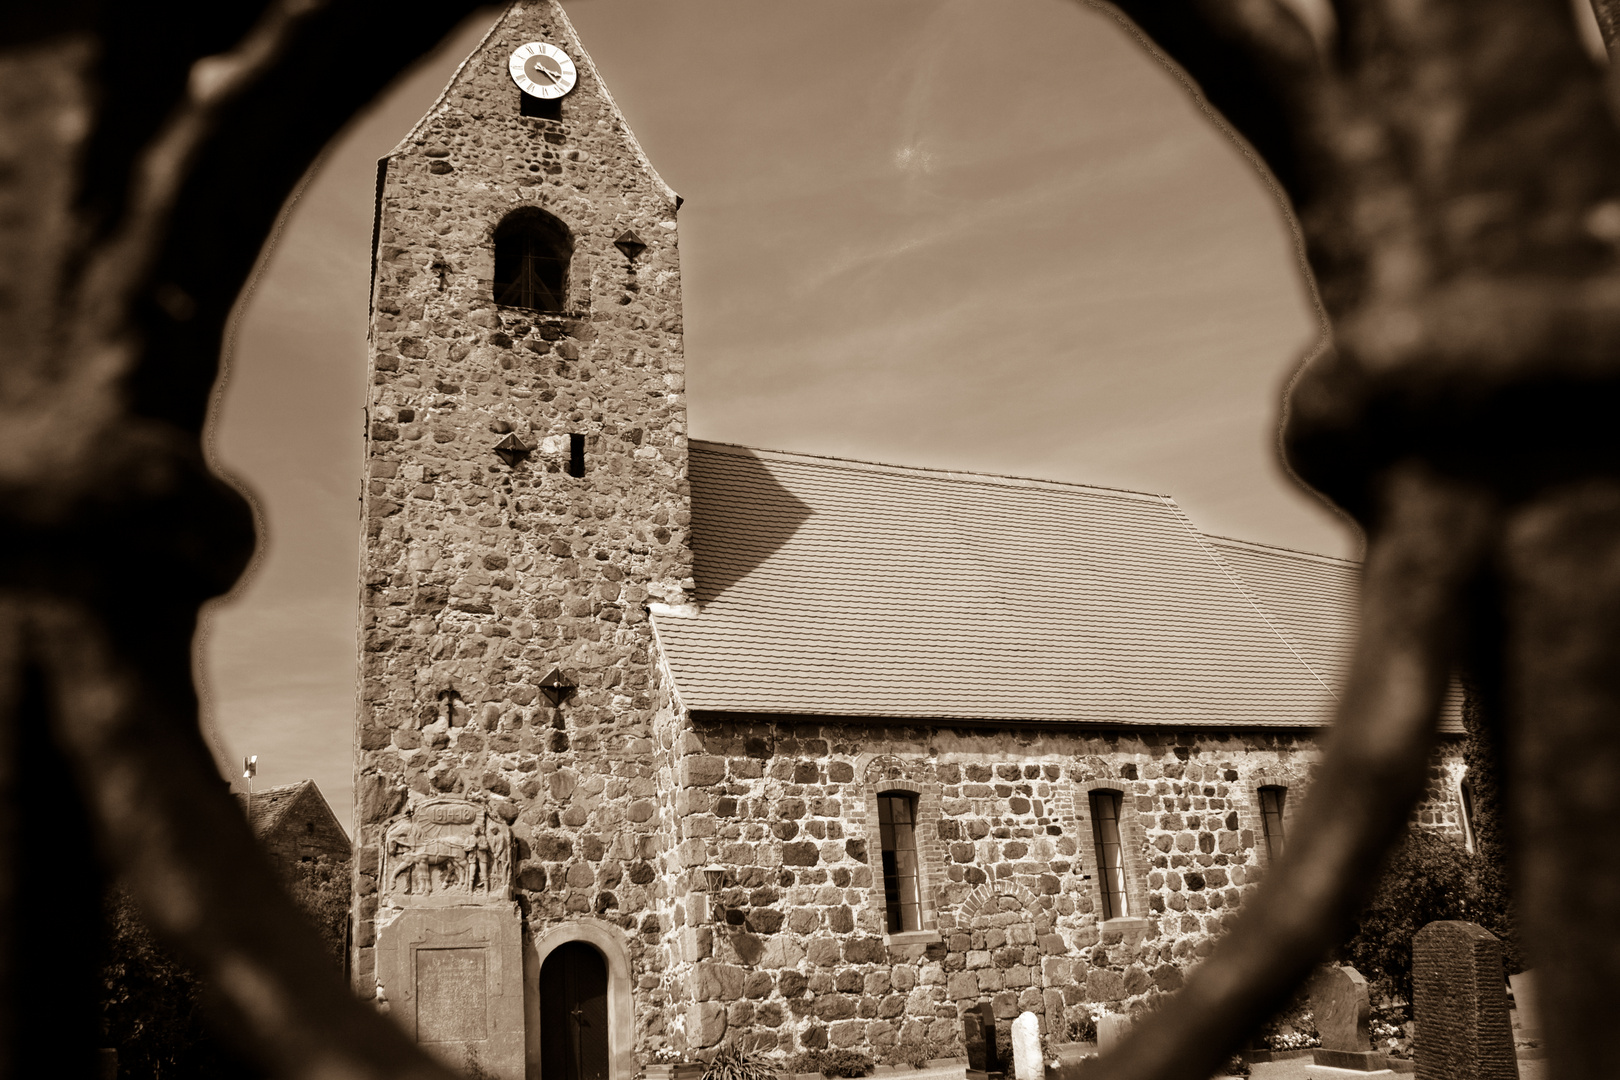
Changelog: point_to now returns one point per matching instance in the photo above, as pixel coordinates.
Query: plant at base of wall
(847, 1063)
(915, 1054)
(733, 1062)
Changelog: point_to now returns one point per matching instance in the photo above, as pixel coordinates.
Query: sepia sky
(998, 237)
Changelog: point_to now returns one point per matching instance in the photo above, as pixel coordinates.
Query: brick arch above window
(1133, 849)
(1294, 779)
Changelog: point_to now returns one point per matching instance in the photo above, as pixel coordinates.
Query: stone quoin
(667, 744)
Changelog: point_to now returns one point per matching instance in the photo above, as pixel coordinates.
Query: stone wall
(792, 952)
(480, 575)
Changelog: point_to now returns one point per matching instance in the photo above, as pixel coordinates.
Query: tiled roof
(1313, 600)
(265, 806)
(841, 588)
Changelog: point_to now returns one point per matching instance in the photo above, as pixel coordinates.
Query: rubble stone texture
(479, 576)
(484, 572)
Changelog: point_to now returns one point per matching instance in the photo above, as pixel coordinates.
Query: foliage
(1429, 877)
(1082, 1026)
(320, 888)
(668, 1055)
(1482, 756)
(734, 1062)
(152, 1007)
(1392, 1029)
(1292, 1028)
(831, 1063)
(915, 1054)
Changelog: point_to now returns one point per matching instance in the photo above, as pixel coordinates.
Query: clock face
(543, 70)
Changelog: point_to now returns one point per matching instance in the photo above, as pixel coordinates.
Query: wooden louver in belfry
(531, 264)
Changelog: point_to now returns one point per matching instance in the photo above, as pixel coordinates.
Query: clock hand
(548, 74)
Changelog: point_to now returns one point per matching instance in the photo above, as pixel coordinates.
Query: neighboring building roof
(1313, 600)
(842, 588)
(274, 814)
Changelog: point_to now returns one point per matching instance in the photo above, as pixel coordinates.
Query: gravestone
(979, 1036)
(1463, 1028)
(1028, 1064)
(449, 959)
(1524, 1001)
(1342, 1009)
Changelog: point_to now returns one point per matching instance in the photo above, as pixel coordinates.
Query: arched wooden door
(574, 1014)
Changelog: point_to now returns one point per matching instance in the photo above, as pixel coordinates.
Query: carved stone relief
(446, 851)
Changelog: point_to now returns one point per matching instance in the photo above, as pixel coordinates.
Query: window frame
(1465, 813)
(892, 774)
(891, 833)
(531, 226)
(1275, 845)
(1132, 855)
(1112, 889)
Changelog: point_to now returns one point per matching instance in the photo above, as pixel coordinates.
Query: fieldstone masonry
(509, 664)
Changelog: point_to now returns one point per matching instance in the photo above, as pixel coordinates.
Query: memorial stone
(1464, 1032)
(1524, 1002)
(1026, 1046)
(449, 959)
(1342, 1008)
(979, 1036)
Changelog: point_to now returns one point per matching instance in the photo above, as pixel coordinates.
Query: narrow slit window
(1465, 794)
(532, 253)
(897, 827)
(1110, 856)
(576, 455)
(1272, 800)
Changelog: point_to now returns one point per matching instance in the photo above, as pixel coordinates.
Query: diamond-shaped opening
(630, 244)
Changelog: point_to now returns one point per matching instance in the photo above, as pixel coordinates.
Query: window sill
(1131, 928)
(912, 937)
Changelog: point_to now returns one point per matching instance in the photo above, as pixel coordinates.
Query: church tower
(525, 499)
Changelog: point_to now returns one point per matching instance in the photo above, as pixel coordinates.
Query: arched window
(897, 829)
(532, 250)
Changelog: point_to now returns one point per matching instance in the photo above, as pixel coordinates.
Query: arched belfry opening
(532, 253)
(575, 1042)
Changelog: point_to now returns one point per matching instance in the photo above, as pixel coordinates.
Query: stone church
(669, 744)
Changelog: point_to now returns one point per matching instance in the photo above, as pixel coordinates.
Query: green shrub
(915, 1054)
(734, 1062)
(1430, 877)
(846, 1063)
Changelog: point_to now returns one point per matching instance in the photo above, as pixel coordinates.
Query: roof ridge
(1279, 549)
(1254, 601)
(830, 461)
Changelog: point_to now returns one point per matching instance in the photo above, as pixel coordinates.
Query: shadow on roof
(731, 536)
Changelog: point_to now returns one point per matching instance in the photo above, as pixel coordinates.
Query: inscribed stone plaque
(452, 995)
(454, 978)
